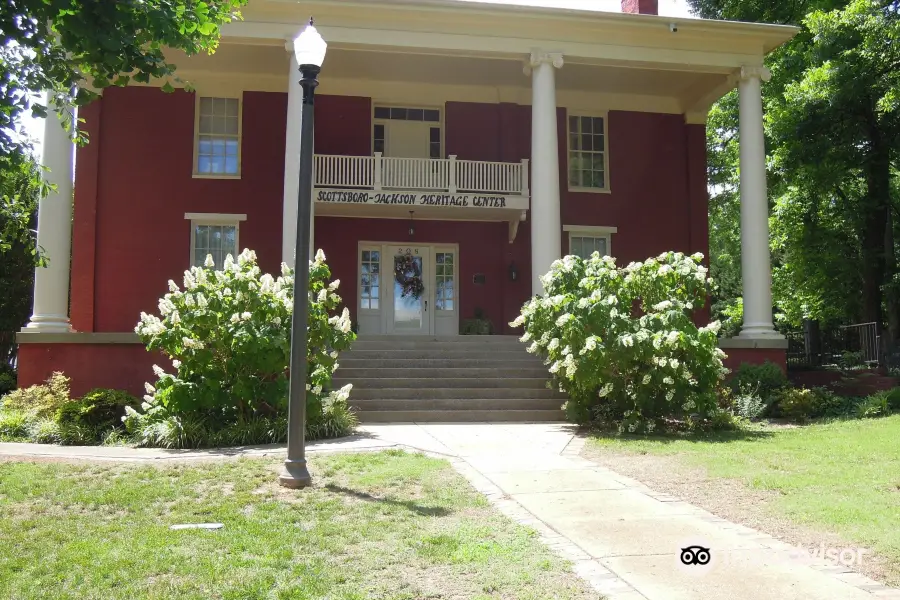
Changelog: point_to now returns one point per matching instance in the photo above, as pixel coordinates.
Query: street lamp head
(309, 47)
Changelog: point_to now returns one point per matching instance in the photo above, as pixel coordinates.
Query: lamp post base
(294, 475)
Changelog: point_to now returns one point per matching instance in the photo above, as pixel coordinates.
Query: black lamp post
(309, 49)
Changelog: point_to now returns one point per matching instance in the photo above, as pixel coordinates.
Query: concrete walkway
(621, 536)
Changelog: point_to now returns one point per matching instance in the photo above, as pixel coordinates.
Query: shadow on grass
(425, 511)
(712, 437)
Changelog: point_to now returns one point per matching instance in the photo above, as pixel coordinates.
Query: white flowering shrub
(228, 334)
(621, 341)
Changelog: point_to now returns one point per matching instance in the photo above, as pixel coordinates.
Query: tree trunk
(880, 188)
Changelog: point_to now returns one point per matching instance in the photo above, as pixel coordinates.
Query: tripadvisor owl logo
(695, 555)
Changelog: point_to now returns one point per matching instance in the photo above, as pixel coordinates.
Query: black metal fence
(847, 346)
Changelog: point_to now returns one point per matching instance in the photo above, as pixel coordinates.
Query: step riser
(438, 354)
(451, 393)
(440, 339)
(519, 383)
(439, 374)
(457, 347)
(347, 362)
(476, 416)
(457, 404)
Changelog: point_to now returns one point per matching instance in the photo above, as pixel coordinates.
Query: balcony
(435, 175)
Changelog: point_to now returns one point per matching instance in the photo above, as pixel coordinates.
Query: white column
(292, 166)
(755, 260)
(54, 236)
(291, 161)
(545, 217)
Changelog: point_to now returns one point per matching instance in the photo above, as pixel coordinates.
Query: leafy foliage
(621, 341)
(833, 130)
(70, 47)
(100, 410)
(228, 335)
(747, 403)
(42, 400)
(765, 380)
(20, 188)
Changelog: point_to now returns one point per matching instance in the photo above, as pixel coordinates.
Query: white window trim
(594, 231)
(215, 219)
(385, 122)
(361, 246)
(600, 115)
(446, 249)
(239, 96)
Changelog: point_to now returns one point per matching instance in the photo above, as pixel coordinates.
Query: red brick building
(484, 141)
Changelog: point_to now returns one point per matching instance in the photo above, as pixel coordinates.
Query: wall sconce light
(412, 226)
(513, 271)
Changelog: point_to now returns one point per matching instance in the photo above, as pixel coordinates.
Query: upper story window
(407, 132)
(588, 154)
(217, 147)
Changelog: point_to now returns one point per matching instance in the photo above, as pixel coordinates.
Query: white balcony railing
(423, 174)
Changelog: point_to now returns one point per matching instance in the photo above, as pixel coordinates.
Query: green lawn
(842, 476)
(389, 525)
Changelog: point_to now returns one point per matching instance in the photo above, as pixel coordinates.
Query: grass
(842, 476)
(389, 525)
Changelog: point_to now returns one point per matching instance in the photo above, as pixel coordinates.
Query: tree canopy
(71, 48)
(833, 140)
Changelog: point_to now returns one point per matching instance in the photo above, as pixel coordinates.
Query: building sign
(420, 199)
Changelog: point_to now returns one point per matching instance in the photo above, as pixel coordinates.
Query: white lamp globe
(309, 47)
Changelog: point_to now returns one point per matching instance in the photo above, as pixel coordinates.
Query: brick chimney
(643, 7)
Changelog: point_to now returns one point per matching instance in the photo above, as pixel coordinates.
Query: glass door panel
(410, 279)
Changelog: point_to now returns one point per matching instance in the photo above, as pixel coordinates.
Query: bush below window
(228, 333)
(621, 341)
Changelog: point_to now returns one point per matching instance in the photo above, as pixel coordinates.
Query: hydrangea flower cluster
(622, 342)
(228, 333)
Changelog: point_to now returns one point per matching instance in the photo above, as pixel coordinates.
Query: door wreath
(408, 275)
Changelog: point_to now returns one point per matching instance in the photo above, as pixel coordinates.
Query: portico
(429, 135)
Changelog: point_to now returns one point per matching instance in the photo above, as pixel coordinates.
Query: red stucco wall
(146, 187)
(118, 366)
(134, 185)
(84, 222)
(755, 356)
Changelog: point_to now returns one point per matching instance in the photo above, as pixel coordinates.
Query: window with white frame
(444, 281)
(588, 153)
(215, 235)
(218, 139)
(369, 279)
(585, 240)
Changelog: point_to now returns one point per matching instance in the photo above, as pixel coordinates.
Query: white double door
(416, 287)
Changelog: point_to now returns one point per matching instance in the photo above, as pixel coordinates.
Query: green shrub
(876, 405)
(99, 410)
(14, 425)
(615, 364)
(767, 379)
(725, 420)
(851, 360)
(192, 431)
(7, 379)
(829, 405)
(746, 403)
(44, 430)
(893, 398)
(797, 404)
(478, 325)
(42, 400)
(228, 335)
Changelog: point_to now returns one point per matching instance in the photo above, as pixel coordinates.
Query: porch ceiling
(242, 62)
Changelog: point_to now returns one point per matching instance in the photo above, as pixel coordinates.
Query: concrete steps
(458, 378)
